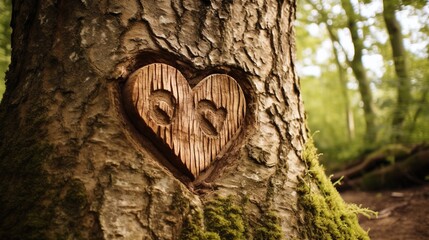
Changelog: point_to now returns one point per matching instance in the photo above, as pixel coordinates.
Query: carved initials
(194, 124)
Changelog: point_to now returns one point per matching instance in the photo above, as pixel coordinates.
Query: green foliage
(5, 32)
(322, 89)
(415, 3)
(325, 106)
(326, 215)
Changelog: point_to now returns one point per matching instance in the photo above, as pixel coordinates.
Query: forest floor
(402, 214)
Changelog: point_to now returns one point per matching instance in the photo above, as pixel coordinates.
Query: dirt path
(402, 214)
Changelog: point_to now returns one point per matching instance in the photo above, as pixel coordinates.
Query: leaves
(5, 48)
(323, 39)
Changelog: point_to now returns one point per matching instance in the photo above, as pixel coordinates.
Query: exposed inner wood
(195, 124)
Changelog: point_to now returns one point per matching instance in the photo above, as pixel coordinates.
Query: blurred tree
(5, 31)
(342, 77)
(325, 45)
(399, 57)
(342, 70)
(360, 73)
(418, 128)
(330, 91)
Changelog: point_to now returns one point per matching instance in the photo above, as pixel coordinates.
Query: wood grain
(194, 124)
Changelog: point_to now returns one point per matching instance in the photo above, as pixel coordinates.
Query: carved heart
(195, 124)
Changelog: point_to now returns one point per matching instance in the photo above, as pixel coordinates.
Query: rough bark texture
(73, 165)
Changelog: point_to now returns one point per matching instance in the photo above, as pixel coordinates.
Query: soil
(402, 214)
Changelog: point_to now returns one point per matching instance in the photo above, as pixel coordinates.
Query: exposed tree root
(394, 166)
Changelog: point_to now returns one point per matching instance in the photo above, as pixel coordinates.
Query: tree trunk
(76, 165)
(360, 73)
(399, 58)
(343, 85)
(342, 81)
(341, 70)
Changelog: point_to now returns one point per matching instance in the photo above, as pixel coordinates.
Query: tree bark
(399, 58)
(74, 166)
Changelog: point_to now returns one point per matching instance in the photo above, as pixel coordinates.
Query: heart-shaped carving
(195, 125)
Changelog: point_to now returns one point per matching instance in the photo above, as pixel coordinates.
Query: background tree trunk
(341, 70)
(399, 58)
(74, 167)
(342, 76)
(360, 73)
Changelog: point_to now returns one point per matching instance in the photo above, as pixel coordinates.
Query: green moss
(221, 220)
(179, 203)
(269, 229)
(23, 183)
(75, 200)
(225, 218)
(32, 198)
(326, 215)
(38, 200)
(193, 228)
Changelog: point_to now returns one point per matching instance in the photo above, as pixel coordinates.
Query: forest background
(364, 69)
